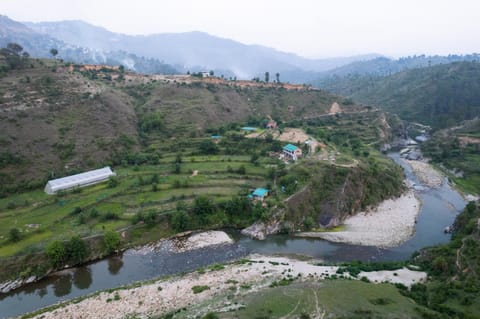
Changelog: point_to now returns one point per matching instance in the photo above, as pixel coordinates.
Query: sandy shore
(426, 173)
(205, 239)
(184, 242)
(166, 295)
(388, 225)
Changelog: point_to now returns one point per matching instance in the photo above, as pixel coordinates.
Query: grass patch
(340, 299)
(199, 289)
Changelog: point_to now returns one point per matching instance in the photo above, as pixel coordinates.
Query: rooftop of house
(260, 192)
(290, 148)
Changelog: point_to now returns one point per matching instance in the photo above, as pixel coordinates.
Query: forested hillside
(457, 149)
(383, 66)
(454, 271)
(441, 95)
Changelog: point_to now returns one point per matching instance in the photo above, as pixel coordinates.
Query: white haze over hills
(191, 50)
(81, 42)
(309, 28)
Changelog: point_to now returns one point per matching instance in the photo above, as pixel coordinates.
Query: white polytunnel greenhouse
(79, 180)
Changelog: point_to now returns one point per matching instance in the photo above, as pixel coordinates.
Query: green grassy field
(321, 299)
(41, 217)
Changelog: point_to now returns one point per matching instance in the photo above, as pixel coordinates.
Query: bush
(151, 122)
(241, 170)
(76, 250)
(308, 223)
(113, 182)
(77, 210)
(199, 289)
(111, 241)
(56, 253)
(151, 218)
(180, 221)
(109, 216)
(94, 213)
(14, 235)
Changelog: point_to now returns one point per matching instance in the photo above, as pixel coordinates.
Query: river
(439, 208)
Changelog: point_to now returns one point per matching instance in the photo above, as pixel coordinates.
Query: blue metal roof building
(292, 151)
(290, 148)
(259, 193)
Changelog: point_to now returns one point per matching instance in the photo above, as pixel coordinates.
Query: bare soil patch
(293, 135)
(335, 108)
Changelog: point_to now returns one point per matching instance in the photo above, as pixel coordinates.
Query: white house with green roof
(291, 151)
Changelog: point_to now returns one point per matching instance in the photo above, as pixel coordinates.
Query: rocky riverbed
(164, 295)
(388, 225)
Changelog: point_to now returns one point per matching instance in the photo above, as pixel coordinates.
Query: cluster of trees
(238, 211)
(267, 77)
(73, 251)
(76, 250)
(457, 156)
(14, 57)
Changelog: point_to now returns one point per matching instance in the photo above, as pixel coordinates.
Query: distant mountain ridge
(39, 45)
(196, 51)
(385, 66)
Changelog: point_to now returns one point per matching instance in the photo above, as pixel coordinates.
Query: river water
(439, 208)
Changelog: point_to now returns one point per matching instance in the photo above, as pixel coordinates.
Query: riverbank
(388, 225)
(426, 173)
(243, 277)
(201, 240)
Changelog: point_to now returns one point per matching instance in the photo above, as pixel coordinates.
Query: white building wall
(78, 180)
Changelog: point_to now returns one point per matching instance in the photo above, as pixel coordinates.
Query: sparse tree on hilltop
(53, 52)
(13, 55)
(15, 48)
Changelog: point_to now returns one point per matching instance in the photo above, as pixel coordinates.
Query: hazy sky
(313, 28)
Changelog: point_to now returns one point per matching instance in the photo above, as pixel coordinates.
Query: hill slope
(56, 119)
(440, 96)
(453, 269)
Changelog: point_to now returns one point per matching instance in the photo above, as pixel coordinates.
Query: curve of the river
(439, 208)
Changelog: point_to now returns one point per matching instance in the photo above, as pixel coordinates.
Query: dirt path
(353, 164)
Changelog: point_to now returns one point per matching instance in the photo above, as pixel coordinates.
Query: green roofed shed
(290, 148)
(259, 193)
